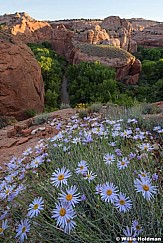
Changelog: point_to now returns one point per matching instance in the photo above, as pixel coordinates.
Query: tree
(91, 82)
(52, 67)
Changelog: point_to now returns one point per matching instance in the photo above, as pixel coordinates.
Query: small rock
(22, 140)
(34, 131)
(28, 122)
(26, 132)
(41, 129)
(37, 130)
(7, 142)
(11, 133)
(20, 126)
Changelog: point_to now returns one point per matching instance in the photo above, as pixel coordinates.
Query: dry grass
(104, 51)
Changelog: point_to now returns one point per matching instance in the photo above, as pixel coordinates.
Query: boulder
(21, 83)
(125, 64)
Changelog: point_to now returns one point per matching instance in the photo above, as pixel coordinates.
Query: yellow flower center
(88, 176)
(138, 227)
(35, 206)
(62, 211)
(36, 162)
(122, 202)
(7, 191)
(1, 230)
(109, 192)
(81, 167)
(143, 174)
(146, 188)
(23, 229)
(61, 177)
(122, 163)
(69, 197)
(145, 147)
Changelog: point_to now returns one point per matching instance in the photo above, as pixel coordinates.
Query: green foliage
(51, 98)
(150, 109)
(124, 100)
(146, 116)
(52, 67)
(150, 85)
(91, 82)
(152, 54)
(96, 107)
(83, 113)
(40, 119)
(30, 113)
(64, 106)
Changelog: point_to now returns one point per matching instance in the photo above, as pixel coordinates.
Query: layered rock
(26, 28)
(120, 29)
(126, 65)
(21, 83)
(139, 24)
(76, 25)
(151, 36)
(112, 31)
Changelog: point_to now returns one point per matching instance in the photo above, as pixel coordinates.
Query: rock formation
(120, 29)
(66, 36)
(126, 65)
(151, 36)
(139, 24)
(21, 84)
(26, 28)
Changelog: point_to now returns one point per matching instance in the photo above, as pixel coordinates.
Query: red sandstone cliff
(21, 83)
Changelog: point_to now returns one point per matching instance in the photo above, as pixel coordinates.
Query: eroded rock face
(21, 83)
(26, 28)
(151, 36)
(65, 37)
(127, 66)
(120, 29)
(139, 24)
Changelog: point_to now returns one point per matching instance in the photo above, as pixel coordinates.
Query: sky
(91, 9)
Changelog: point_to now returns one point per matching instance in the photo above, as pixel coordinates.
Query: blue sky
(68, 9)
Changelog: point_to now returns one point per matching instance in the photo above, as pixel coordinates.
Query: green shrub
(52, 68)
(150, 109)
(124, 100)
(83, 113)
(64, 106)
(30, 113)
(40, 119)
(90, 82)
(96, 107)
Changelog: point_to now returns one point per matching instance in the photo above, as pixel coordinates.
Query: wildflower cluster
(95, 174)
